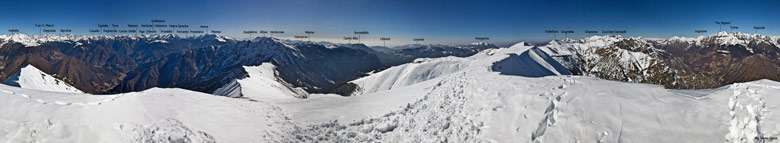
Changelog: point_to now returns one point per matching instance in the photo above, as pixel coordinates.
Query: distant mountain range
(680, 63)
(118, 64)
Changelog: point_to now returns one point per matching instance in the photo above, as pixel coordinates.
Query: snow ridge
(30, 77)
(425, 69)
(263, 83)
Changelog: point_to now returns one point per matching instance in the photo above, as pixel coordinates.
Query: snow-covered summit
(30, 77)
(24, 39)
(218, 37)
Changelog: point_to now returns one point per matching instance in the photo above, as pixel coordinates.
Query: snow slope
(30, 77)
(489, 107)
(474, 104)
(263, 83)
(431, 68)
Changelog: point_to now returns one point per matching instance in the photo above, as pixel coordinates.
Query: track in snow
(421, 121)
(747, 109)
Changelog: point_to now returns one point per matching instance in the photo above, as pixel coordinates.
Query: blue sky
(438, 21)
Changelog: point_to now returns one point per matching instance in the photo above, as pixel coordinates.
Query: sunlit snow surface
(432, 100)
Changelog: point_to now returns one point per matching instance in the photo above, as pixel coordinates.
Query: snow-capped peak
(725, 38)
(587, 42)
(480, 43)
(159, 41)
(30, 77)
(737, 38)
(602, 37)
(208, 37)
(722, 33)
(685, 39)
(37, 40)
(24, 39)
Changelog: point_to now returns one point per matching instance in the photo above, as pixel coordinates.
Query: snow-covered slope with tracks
(475, 104)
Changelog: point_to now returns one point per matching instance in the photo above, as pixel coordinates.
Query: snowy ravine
(433, 100)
